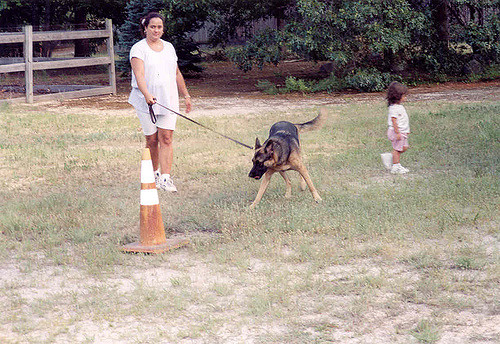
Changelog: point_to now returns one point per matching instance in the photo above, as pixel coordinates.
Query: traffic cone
(152, 232)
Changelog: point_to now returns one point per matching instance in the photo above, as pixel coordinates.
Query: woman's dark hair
(146, 19)
(395, 92)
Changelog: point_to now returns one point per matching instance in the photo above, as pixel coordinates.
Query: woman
(156, 77)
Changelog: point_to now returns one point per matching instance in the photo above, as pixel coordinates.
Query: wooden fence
(29, 65)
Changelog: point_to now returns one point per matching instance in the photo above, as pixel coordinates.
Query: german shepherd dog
(280, 153)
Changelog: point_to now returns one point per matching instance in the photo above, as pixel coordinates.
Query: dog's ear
(272, 156)
(269, 146)
(257, 143)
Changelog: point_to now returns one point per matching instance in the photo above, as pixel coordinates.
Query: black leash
(153, 119)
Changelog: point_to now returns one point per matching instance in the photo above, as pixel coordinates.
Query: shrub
(293, 84)
(330, 84)
(368, 80)
(267, 87)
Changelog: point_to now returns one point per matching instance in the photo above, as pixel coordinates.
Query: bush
(368, 80)
(330, 84)
(267, 87)
(293, 84)
(365, 80)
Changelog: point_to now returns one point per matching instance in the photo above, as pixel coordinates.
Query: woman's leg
(166, 150)
(152, 144)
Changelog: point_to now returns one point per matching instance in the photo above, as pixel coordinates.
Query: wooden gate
(29, 65)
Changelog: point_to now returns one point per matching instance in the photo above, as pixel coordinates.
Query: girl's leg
(396, 156)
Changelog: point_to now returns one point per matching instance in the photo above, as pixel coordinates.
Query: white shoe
(387, 160)
(157, 178)
(398, 169)
(166, 183)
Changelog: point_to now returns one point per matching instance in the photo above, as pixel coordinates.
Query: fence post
(28, 60)
(111, 53)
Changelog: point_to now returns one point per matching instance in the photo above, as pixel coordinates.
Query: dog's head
(263, 158)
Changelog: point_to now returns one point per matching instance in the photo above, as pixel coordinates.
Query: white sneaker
(398, 169)
(387, 160)
(166, 183)
(157, 178)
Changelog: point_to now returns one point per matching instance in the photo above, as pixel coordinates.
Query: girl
(399, 127)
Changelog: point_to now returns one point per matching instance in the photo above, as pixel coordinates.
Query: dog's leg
(303, 172)
(263, 186)
(303, 184)
(288, 192)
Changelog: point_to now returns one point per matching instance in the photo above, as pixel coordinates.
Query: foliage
(231, 19)
(365, 80)
(481, 31)
(349, 33)
(58, 13)
(264, 48)
(392, 36)
(398, 36)
(368, 80)
(267, 87)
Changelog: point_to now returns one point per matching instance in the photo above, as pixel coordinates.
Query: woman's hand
(150, 99)
(187, 102)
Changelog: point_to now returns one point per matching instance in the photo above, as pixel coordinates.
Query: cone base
(170, 244)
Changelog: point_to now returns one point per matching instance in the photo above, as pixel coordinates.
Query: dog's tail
(313, 124)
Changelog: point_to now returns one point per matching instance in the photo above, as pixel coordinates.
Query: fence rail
(28, 37)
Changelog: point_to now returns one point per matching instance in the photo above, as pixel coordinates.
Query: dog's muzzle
(255, 174)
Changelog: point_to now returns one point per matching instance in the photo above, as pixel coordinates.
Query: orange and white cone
(152, 232)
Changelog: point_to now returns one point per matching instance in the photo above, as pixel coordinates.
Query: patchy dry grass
(383, 259)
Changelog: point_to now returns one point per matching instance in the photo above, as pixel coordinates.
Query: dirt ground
(221, 88)
(221, 85)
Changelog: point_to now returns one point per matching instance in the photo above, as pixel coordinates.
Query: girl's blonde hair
(395, 92)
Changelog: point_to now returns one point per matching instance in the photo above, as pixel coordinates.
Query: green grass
(396, 258)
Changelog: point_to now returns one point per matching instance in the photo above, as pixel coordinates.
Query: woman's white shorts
(162, 121)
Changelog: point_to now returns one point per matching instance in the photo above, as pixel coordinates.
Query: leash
(153, 119)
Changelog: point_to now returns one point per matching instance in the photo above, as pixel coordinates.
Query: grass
(386, 259)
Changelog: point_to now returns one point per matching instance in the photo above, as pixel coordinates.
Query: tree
(441, 21)
(388, 35)
(349, 33)
(48, 14)
(231, 17)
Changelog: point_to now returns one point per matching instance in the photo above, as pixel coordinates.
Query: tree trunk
(441, 19)
(82, 46)
(47, 46)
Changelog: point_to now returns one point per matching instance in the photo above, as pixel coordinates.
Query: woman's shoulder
(167, 44)
(140, 43)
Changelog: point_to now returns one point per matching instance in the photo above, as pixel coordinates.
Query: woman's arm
(181, 85)
(138, 70)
